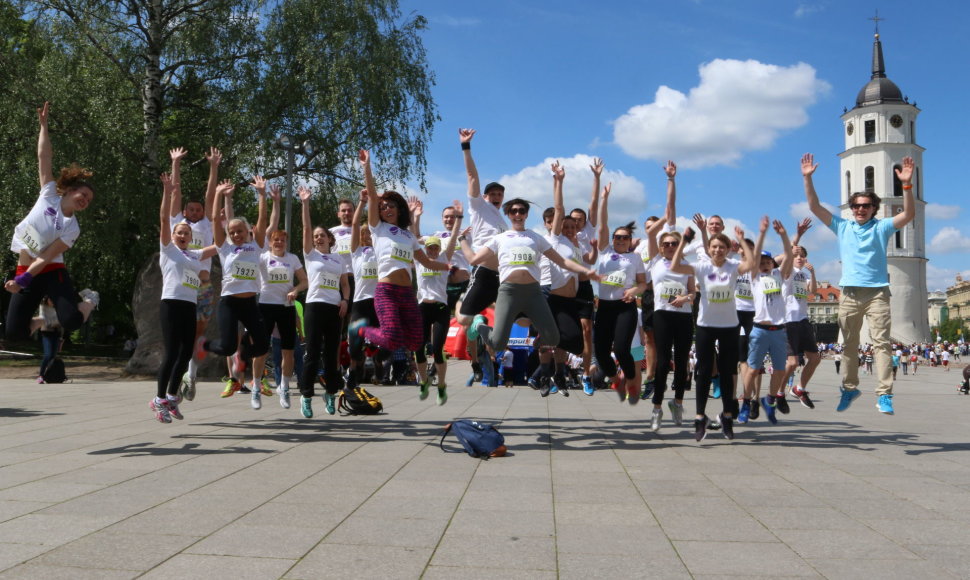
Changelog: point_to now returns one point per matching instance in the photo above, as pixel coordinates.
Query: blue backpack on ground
(479, 439)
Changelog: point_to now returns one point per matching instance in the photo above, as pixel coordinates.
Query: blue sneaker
(472, 332)
(470, 381)
(588, 386)
(885, 404)
(769, 405)
(354, 340)
(330, 401)
(848, 395)
(553, 389)
(745, 412)
(716, 384)
(647, 391)
(533, 383)
(306, 407)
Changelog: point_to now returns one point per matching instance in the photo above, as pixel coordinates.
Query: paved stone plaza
(91, 486)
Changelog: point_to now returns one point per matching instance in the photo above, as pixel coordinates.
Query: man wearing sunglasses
(865, 278)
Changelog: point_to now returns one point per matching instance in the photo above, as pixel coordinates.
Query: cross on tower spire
(876, 19)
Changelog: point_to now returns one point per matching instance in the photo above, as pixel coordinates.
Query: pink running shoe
(161, 410)
(173, 408)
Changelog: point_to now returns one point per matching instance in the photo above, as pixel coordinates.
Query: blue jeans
(49, 341)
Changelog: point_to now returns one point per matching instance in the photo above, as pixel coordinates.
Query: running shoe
(40, 381)
(802, 396)
(553, 389)
(244, 389)
(306, 407)
(284, 394)
(727, 426)
(655, 419)
(330, 403)
(561, 387)
(769, 406)
(588, 386)
(423, 390)
(238, 364)
(354, 339)
(264, 387)
(782, 404)
(160, 408)
(716, 387)
(256, 400)
(700, 428)
(442, 395)
(620, 390)
(745, 412)
(200, 351)
(633, 394)
(90, 296)
(848, 395)
(472, 332)
(545, 387)
(533, 383)
(676, 412)
(188, 387)
(173, 408)
(232, 387)
(885, 404)
(488, 365)
(647, 390)
(755, 410)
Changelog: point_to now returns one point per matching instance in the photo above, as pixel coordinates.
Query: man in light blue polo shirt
(865, 278)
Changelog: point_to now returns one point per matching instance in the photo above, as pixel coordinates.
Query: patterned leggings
(399, 317)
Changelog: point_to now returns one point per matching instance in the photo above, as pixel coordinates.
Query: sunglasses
(621, 237)
(669, 244)
(861, 206)
(519, 211)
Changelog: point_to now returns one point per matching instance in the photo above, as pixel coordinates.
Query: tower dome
(879, 89)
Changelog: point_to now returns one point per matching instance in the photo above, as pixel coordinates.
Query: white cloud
(830, 271)
(949, 240)
(818, 236)
(938, 211)
(805, 9)
(939, 279)
(738, 106)
(627, 196)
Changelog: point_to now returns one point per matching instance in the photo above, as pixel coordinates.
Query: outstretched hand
(178, 153)
(597, 166)
(465, 135)
(42, 113)
(304, 193)
(226, 188)
(363, 156)
(458, 207)
(906, 173)
(779, 227)
(670, 169)
(808, 164)
(274, 192)
(363, 196)
(214, 156)
(259, 184)
(415, 206)
(558, 171)
(803, 226)
(607, 189)
(700, 222)
(763, 225)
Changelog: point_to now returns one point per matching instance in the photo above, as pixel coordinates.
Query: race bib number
(368, 271)
(343, 246)
(30, 238)
(800, 290)
(770, 285)
(278, 276)
(402, 253)
(744, 290)
(522, 256)
(670, 289)
(328, 281)
(427, 273)
(197, 242)
(243, 270)
(190, 280)
(615, 278)
(719, 294)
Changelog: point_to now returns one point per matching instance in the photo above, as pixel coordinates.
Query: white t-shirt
(365, 273)
(796, 295)
(341, 235)
(486, 221)
(432, 284)
(323, 271)
(717, 286)
(180, 273)
(743, 298)
(240, 267)
(458, 259)
(277, 276)
(518, 251)
(769, 304)
(201, 235)
(644, 251)
(618, 272)
(667, 285)
(44, 224)
(552, 274)
(394, 248)
(585, 238)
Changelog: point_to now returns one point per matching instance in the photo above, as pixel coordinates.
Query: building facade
(958, 299)
(823, 306)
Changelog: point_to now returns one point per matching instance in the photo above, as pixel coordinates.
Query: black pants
(322, 336)
(566, 313)
(613, 329)
(672, 330)
(232, 311)
(436, 318)
(177, 318)
(282, 317)
(57, 285)
(726, 360)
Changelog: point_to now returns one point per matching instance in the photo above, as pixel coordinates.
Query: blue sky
(734, 92)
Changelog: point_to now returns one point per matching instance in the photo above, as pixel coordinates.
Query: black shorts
(746, 320)
(283, 318)
(455, 292)
(801, 337)
(481, 293)
(646, 310)
(364, 309)
(584, 299)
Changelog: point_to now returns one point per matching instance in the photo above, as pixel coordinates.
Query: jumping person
(40, 240)
(865, 277)
(326, 304)
(365, 275)
(180, 266)
(801, 335)
(585, 299)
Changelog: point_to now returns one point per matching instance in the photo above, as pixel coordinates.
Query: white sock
(172, 397)
(285, 383)
(193, 368)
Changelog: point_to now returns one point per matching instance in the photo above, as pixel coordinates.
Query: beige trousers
(872, 304)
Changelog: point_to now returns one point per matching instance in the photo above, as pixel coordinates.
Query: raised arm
(754, 258)
(557, 259)
(176, 178)
(355, 224)
(416, 209)
(597, 169)
(373, 201)
(604, 217)
(701, 224)
(652, 248)
(808, 168)
(670, 213)
(305, 194)
(745, 265)
(474, 185)
(164, 226)
(905, 175)
(559, 208)
(214, 157)
(274, 216)
(223, 194)
(259, 231)
(677, 263)
(788, 264)
(455, 228)
(45, 151)
(812, 282)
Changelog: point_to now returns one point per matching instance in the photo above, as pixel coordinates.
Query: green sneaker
(423, 390)
(442, 395)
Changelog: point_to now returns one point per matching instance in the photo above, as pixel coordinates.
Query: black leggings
(282, 317)
(566, 313)
(177, 318)
(671, 330)
(362, 309)
(613, 329)
(727, 364)
(436, 318)
(57, 285)
(322, 335)
(232, 311)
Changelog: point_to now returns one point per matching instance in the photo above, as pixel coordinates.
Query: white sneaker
(188, 387)
(256, 401)
(89, 295)
(656, 419)
(284, 397)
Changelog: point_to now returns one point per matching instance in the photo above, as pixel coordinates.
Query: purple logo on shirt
(52, 213)
(242, 248)
(394, 230)
(614, 257)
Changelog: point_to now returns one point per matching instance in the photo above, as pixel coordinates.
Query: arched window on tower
(897, 184)
(848, 184)
(870, 179)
